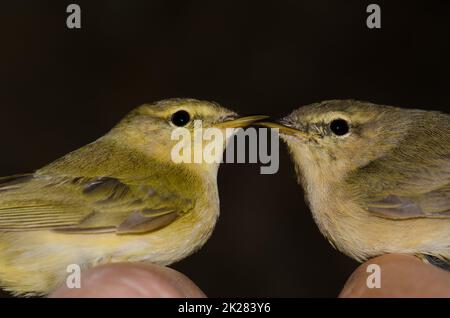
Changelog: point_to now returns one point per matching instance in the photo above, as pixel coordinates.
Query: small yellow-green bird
(120, 198)
(377, 178)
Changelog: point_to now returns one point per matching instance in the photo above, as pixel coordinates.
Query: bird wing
(421, 192)
(435, 204)
(92, 205)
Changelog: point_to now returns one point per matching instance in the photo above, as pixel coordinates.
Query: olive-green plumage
(120, 198)
(377, 178)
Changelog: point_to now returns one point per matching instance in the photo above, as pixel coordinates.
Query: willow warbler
(377, 178)
(120, 198)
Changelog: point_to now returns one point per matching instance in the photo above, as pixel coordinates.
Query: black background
(61, 89)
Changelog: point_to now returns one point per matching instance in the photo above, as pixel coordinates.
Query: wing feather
(94, 205)
(412, 180)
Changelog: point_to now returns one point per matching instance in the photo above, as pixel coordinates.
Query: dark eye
(339, 127)
(180, 118)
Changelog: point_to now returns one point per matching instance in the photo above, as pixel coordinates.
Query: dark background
(61, 89)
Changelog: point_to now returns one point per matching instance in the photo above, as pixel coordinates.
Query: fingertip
(400, 275)
(132, 280)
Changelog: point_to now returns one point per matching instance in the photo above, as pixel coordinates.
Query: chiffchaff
(377, 178)
(120, 198)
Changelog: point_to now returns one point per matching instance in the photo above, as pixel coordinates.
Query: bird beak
(284, 128)
(240, 121)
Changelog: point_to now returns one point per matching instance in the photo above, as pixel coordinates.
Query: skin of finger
(401, 276)
(136, 280)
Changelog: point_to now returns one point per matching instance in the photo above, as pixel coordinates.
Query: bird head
(172, 125)
(335, 137)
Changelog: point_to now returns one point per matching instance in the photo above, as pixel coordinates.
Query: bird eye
(339, 127)
(180, 118)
